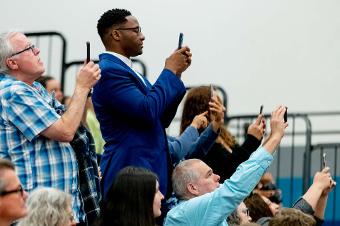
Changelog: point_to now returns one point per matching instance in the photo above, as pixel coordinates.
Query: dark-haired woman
(225, 155)
(133, 200)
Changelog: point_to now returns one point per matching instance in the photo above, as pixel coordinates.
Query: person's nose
(36, 51)
(142, 37)
(24, 195)
(217, 178)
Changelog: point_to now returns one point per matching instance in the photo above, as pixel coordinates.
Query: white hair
(6, 49)
(47, 207)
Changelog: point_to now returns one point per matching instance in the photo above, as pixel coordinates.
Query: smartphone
(285, 115)
(211, 91)
(88, 58)
(88, 55)
(324, 160)
(261, 109)
(180, 40)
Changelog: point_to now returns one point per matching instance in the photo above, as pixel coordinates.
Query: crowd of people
(49, 171)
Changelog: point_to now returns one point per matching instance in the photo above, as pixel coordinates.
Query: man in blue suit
(133, 113)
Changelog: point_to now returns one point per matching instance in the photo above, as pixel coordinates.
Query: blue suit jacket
(132, 119)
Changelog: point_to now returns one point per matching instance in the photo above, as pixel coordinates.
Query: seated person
(313, 202)
(191, 144)
(12, 195)
(133, 199)
(203, 201)
(48, 206)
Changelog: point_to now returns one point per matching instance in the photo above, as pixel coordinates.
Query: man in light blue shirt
(206, 202)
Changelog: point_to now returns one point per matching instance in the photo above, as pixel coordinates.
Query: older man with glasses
(32, 133)
(12, 195)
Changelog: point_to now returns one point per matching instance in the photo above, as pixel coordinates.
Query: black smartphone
(324, 163)
(180, 40)
(88, 54)
(285, 115)
(261, 109)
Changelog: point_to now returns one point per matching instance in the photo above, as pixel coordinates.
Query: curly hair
(291, 216)
(197, 102)
(110, 18)
(47, 207)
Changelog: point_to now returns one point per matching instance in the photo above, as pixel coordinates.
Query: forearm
(205, 141)
(272, 143)
(320, 207)
(71, 119)
(312, 195)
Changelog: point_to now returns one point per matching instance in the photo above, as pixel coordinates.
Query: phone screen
(285, 116)
(180, 40)
(324, 160)
(261, 109)
(88, 56)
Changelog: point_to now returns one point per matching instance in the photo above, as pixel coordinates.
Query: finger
(258, 119)
(325, 170)
(204, 113)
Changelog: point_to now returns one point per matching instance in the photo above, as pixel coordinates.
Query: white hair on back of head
(46, 207)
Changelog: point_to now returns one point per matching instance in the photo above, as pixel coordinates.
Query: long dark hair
(197, 102)
(130, 199)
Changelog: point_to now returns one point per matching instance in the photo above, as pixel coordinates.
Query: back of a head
(257, 207)
(108, 19)
(290, 216)
(130, 199)
(196, 102)
(47, 206)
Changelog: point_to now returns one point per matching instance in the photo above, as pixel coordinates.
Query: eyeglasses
(245, 211)
(137, 30)
(20, 189)
(31, 47)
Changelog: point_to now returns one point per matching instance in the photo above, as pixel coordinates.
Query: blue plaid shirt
(26, 111)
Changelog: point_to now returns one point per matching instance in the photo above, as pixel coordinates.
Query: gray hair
(6, 49)
(47, 207)
(234, 218)
(183, 175)
(4, 165)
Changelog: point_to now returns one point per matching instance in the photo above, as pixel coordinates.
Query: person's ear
(192, 188)
(115, 35)
(11, 64)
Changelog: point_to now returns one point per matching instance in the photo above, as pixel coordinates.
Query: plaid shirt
(83, 145)
(26, 111)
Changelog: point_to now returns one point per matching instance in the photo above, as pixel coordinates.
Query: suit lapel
(116, 60)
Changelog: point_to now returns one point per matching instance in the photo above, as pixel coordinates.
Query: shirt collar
(126, 60)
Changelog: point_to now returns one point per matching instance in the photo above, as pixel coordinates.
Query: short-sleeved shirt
(26, 111)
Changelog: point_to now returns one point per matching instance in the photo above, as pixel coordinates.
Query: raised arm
(65, 127)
